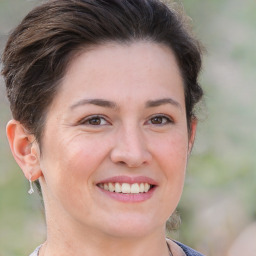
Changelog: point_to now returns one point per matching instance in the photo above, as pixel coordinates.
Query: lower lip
(130, 198)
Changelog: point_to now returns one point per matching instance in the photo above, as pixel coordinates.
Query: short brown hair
(39, 49)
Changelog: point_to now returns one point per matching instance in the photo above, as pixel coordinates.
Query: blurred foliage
(218, 198)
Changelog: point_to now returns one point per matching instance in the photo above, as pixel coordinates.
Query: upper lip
(129, 180)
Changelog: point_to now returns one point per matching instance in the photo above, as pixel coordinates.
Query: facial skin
(120, 111)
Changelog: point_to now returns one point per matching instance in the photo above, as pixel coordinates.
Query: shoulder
(35, 252)
(188, 251)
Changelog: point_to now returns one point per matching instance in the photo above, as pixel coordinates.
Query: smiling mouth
(126, 188)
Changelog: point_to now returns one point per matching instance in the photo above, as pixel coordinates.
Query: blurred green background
(218, 208)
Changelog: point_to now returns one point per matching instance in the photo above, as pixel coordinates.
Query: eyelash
(160, 117)
(167, 121)
(87, 120)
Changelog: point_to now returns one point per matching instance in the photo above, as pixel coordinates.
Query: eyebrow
(157, 103)
(97, 102)
(113, 105)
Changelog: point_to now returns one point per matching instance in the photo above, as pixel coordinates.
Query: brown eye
(94, 121)
(157, 120)
(160, 120)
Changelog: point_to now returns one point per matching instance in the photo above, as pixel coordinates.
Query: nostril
(131, 157)
(130, 165)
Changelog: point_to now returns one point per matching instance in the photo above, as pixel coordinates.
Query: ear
(192, 134)
(25, 149)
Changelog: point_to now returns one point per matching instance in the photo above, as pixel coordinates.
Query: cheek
(81, 158)
(70, 163)
(69, 172)
(171, 157)
(172, 151)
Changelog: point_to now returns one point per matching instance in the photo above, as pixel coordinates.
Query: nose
(130, 149)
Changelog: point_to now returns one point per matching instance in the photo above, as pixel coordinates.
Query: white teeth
(111, 187)
(126, 188)
(118, 188)
(142, 187)
(146, 187)
(135, 189)
(105, 186)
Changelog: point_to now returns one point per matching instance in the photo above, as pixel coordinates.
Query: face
(115, 145)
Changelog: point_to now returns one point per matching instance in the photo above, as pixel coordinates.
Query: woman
(102, 94)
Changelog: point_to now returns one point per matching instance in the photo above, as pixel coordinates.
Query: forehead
(114, 69)
(143, 52)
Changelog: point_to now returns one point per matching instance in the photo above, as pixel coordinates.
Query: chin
(132, 227)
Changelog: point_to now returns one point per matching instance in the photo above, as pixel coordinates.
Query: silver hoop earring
(31, 190)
